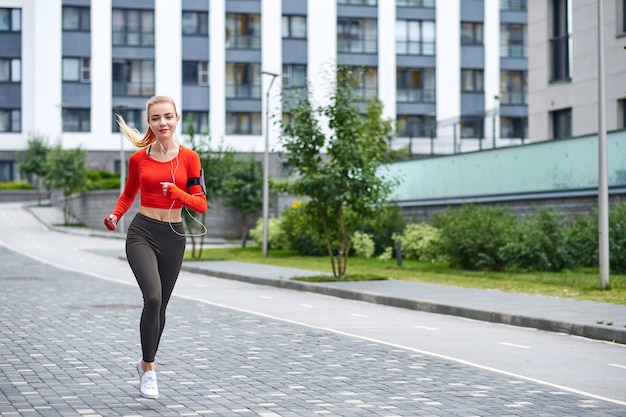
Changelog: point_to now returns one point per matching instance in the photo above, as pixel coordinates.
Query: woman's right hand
(110, 221)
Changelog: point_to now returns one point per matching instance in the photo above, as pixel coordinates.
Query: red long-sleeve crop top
(145, 174)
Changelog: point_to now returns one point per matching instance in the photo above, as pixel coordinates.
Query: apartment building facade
(563, 67)
(452, 73)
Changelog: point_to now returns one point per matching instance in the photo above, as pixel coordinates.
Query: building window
(416, 126)
(512, 40)
(133, 78)
(559, 42)
(513, 87)
(513, 127)
(513, 5)
(472, 127)
(561, 123)
(10, 70)
(8, 171)
(238, 123)
(415, 85)
(472, 80)
(77, 69)
(363, 81)
(416, 3)
(471, 33)
(415, 37)
(294, 76)
(199, 120)
(621, 104)
(294, 27)
(133, 27)
(359, 2)
(195, 23)
(356, 35)
(10, 120)
(243, 31)
(243, 80)
(76, 120)
(133, 118)
(76, 18)
(10, 20)
(195, 72)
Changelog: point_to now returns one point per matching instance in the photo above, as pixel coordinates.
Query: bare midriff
(164, 215)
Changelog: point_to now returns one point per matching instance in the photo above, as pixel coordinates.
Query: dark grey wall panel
(295, 6)
(295, 51)
(195, 48)
(473, 56)
(196, 98)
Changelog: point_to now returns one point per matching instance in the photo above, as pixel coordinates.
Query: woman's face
(162, 119)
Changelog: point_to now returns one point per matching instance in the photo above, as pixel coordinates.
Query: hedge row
(470, 237)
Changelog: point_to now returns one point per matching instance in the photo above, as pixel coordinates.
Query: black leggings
(155, 254)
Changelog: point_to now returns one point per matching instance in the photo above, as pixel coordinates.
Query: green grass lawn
(582, 284)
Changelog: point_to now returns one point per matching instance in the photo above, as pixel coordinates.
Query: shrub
(582, 237)
(420, 241)
(102, 180)
(363, 244)
(617, 238)
(387, 254)
(16, 185)
(382, 227)
(298, 226)
(276, 238)
(539, 243)
(471, 236)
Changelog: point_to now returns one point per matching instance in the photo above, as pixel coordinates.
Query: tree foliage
(244, 189)
(33, 160)
(66, 169)
(349, 176)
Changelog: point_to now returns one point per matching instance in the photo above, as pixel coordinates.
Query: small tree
(217, 164)
(350, 177)
(66, 170)
(33, 160)
(244, 190)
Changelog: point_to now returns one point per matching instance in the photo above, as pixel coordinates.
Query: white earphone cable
(173, 172)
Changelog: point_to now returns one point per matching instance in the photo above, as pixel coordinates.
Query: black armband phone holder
(197, 181)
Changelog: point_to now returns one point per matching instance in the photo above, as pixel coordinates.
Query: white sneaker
(139, 370)
(148, 385)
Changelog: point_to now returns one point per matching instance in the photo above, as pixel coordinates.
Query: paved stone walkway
(68, 347)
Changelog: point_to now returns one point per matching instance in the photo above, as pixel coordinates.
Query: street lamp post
(121, 110)
(603, 193)
(493, 120)
(266, 161)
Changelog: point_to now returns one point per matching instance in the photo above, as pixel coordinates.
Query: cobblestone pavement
(69, 345)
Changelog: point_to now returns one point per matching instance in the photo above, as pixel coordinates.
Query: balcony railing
(243, 42)
(412, 95)
(514, 97)
(357, 46)
(415, 48)
(243, 91)
(513, 51)
(121, 88)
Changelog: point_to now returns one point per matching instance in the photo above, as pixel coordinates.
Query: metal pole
(121, 109)
(454, 138)
(266, 161)
(120, 224)
(603, 193)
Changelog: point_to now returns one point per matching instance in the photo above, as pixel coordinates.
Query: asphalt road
(69, 311)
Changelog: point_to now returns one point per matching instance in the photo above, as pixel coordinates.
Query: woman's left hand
(165, 185)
